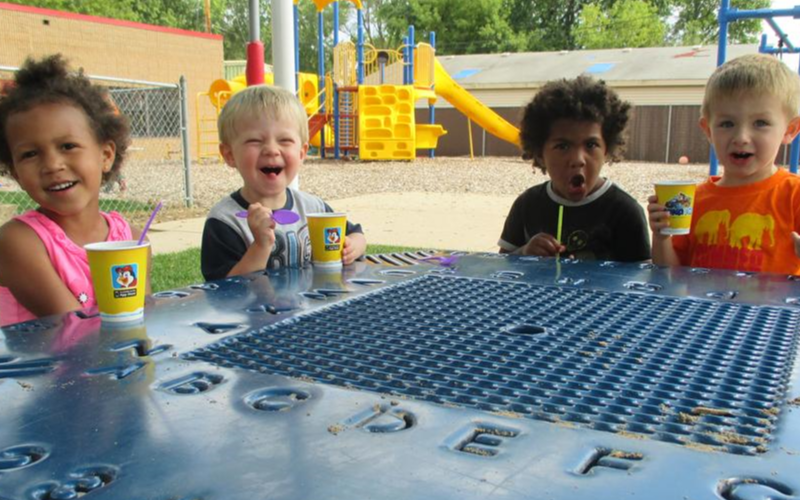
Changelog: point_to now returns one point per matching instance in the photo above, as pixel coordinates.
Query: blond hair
(754, 74)
(274, 102)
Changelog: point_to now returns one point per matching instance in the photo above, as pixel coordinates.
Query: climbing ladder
(348, 116)
(207, 135)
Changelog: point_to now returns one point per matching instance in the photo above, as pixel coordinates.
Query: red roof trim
(104, 20)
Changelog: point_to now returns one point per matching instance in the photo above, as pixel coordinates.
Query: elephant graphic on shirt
(752, 226)
(709, 223)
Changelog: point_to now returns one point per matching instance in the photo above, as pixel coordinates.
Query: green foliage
(181, 269)
(309, 38)
(628, 23)
(696, 22)
(462, 26)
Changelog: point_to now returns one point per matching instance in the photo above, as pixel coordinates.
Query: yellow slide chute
(472, 108)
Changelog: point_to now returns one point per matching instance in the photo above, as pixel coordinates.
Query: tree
(696, 22)
(462, 27)
(628, 23)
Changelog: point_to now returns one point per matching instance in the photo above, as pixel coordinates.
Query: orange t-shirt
(746, 228)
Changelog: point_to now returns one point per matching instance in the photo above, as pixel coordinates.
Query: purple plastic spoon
(279, 216)
(441, 260)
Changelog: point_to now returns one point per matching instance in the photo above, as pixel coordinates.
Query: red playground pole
(255, 49)
(255, 63)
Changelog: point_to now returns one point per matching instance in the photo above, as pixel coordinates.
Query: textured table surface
(497, 377)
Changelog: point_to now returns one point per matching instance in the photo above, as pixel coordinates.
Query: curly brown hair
(49, 81)
(579, 99)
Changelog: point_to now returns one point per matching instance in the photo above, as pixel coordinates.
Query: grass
(176, 270)
(181, 269)
(24, 202)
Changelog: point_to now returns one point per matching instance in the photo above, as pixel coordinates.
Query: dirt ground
(148, 182)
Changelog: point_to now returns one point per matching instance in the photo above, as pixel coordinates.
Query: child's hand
(543, 245)
(354, 247)
(262, 226)
(796, 239)
(658, 216)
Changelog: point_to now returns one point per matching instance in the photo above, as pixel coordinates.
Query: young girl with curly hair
(60, 139)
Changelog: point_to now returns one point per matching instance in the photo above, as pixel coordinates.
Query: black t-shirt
(607, 225)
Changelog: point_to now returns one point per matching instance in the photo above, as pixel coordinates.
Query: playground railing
(383, 66)
(344, 64)
(424, 65)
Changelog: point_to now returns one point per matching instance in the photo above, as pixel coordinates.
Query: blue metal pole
(335, 90)
(336, 23)
(360, 48)
(721, 54)
(321, 71)
(411, 55)
(405, 60)
(432, 105)
(296, 46)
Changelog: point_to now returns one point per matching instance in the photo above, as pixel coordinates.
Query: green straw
(560, 221)
(558, 237)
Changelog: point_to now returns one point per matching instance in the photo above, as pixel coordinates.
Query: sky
(789, 25)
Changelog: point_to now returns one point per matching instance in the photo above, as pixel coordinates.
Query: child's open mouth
(272, 171)
(62, 186)
(741, 156)
(576, 184)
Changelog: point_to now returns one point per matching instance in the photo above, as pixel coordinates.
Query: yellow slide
(474, 109)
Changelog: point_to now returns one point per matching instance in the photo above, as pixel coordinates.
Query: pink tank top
(68, 259)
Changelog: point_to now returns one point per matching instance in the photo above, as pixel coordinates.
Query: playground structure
(367, 104)
(785, 46)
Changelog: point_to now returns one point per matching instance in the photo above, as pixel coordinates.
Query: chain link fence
(158, 163)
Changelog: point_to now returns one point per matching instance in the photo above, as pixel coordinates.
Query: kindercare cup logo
(333, 238)
(124, 279)
(680, 204)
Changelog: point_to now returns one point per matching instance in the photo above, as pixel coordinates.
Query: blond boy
(748, 218)
(263, 134)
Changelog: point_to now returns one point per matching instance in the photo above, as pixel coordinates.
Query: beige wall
(105, 47)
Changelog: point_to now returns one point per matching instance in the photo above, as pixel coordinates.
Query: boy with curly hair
(747, 219)
(570, 129)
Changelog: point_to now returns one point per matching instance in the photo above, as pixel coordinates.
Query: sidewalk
(448, 221)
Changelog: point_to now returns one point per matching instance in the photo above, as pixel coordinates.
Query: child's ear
(703, 123)
(791, 130)
(304, 152)
(227, 154)
(109, 151)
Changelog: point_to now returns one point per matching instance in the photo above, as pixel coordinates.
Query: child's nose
(269, 148)
(578, 158)
(742, 136)
(52, 161)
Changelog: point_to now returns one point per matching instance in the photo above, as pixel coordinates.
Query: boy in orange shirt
(747, 219)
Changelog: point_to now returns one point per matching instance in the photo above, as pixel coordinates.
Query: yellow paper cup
(119, 273)
(326, 231)
(678, 197)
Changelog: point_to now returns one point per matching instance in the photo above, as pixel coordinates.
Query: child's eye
(68, 146)
(287, 140)
(761, 123)
(561, 146)
(593, 145)
(27, 154)
(725, 124)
